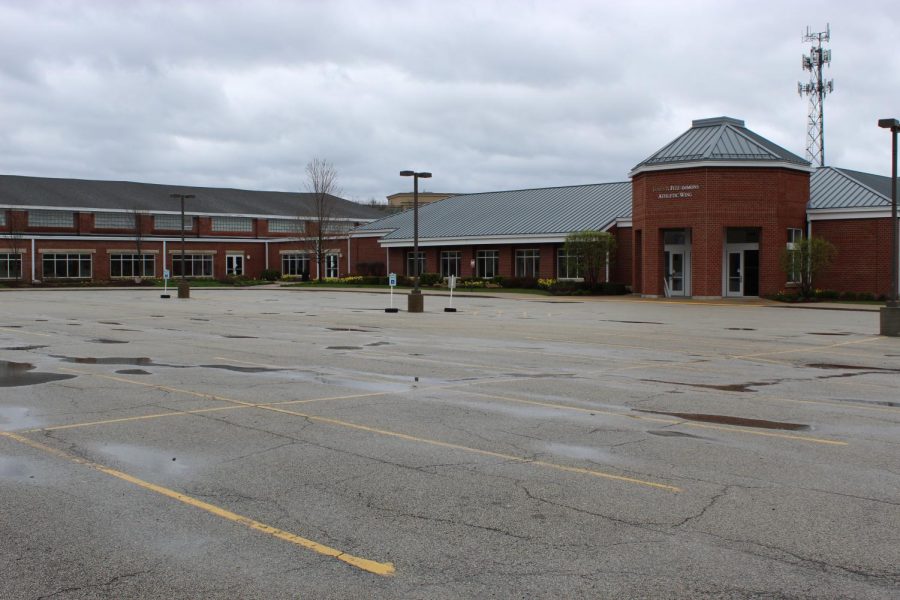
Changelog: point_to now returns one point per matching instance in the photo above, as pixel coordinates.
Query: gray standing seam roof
(542, 211)
(833, 188)
(722, 139)
(17, 190)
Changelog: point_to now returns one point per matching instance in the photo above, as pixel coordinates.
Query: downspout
(349, 270)
(33, 264)
(267, 255)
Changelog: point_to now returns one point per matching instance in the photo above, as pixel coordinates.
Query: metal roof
(17, 190)
(833, 188)
(542, 211)
(721, 139)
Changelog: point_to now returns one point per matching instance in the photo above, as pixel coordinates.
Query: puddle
(24, 348)
(241, 337)
(17, 417)
(158, 316)
(539, 375)
(133, 372)
(108, 323)
(850, 367)
(196, 319)
(343, 348)
(727, 387)
(122, 329)
(74, 324)
(13, 374)
(41, 320)
(143, 361)
(726, 420)
(347, 329)
(583, 452)
(107, 341)
(150, 458)
(669, 433)
(240, 369)
(269, 313)
(740, 329)
(828, 333)
(379, 344)
(11, 468)
(11, 326)
(635, 322)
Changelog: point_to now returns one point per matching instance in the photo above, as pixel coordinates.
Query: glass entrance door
(675, 272)
(234, 264)
(735, 273)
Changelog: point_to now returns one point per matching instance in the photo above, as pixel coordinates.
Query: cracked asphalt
(286, 444)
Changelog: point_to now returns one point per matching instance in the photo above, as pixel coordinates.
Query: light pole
(416, 302)
(890, 314)
(184, 288)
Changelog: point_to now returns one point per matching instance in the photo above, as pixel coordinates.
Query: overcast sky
(486, 95)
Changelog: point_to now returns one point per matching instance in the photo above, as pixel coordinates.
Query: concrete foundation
(890, 321)
(416, 302)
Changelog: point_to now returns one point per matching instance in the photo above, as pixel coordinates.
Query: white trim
(702, 164)
(371, 233)
(66, 251)
(622, 222)
(282, 252)
(127, 251)
(177, 252)
(835, 214)
(156, 239)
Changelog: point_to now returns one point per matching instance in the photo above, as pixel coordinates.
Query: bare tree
(321, 183)
(138, 243)
(16, 237)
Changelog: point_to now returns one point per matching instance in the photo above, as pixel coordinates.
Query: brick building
(708, 215)
(72, 230)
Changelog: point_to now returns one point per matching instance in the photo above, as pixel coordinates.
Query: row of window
(77, 265)
(487, 263)
(128, 220)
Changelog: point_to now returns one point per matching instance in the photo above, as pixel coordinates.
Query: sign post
(166, 276)
(451, 283)
(392, 282)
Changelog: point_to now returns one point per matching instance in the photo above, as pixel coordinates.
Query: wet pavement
(522, 447)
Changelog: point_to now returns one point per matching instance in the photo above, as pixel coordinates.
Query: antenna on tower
(816, 89)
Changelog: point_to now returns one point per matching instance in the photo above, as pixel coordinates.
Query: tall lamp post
(416, 302)
(184, 288)
(890, 313)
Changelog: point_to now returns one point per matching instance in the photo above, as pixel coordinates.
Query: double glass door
(234, 264)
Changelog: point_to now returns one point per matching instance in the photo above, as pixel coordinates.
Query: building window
(411, 263)
(335, 227)
(242, 224)
(528, 263)
(196, 265)
(69, 265)
(794, 236)
(295, 264)
(568, 266)
(2, 218)
(287, 226)
(173, 222)
(10, 265)
(487, 263)
(450, 261)
(51, 218)
(132, 265)
(332, 266)
(114, 220)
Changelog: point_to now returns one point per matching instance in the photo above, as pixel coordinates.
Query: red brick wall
(863, 260)
(620, 270)
(770, 199)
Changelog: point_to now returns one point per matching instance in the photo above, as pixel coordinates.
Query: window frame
(451, 258)
(528, 263)
(7, 259)
(144, 260)
(565, 267)
(72, 262)
(203, 260)
(291, 259)
(487, 263)
(410, 258)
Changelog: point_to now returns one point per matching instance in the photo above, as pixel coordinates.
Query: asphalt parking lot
(287, 444)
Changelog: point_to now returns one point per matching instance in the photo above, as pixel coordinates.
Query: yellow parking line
(678, 422)
(274, 408)
(25, 331)
(807, 349)
(378, 568)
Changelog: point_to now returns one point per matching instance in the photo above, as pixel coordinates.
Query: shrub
(430, 279)
(271, 274)
(826, 294)
(526, 283)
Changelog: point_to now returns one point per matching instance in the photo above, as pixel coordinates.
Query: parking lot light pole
(415, 303)
(890, 313)
(184, 288)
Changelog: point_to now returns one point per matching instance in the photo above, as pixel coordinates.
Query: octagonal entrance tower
(712, 212)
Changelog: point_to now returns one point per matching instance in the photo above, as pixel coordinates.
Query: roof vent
(716, 121)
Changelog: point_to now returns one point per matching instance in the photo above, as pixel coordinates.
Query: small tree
(805, 260)
(16, 237)
(594, 249)
(321, 183)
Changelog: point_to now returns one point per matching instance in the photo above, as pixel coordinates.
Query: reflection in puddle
(24, 348)
(13, 374)
(133, 372)
(107, 341)
(670, 433)
(17, 417)
(343, 348)
(583, 452)
(727, 420)
(241, 337)
(727, 387)
(150, 458)
(12, 468)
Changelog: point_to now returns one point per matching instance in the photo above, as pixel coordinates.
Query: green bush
(271, 274)
(430, 279)
(826, 294)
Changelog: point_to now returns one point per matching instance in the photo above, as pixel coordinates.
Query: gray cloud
(487, 95)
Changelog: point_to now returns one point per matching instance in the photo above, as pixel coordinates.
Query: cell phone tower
(816, 89)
